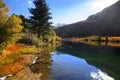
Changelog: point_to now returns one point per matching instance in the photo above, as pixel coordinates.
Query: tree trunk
(106, 40)
(38, 36)
(39, 33)
(43, 36)
(99, 39)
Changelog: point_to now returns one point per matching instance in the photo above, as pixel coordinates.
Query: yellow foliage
(51, 37)
(28, 50)
(13, 24)
(11, 49)
(10, 27)
(3, 11)
(19, 49)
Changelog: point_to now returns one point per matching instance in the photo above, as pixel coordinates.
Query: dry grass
(96, 38)
(13, 68)
(11, 53)
(114, 38)
(10, 49)
(19, 49)
(29, 50)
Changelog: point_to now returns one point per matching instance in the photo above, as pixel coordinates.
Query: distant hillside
(104, 23)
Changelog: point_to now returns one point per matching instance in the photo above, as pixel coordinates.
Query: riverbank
(17, 58)
(97, 41)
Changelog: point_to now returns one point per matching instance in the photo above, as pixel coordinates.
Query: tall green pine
(40, 18)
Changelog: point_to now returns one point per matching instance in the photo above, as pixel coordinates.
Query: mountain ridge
(104, 23)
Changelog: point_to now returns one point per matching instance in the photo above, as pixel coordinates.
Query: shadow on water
(105, 58)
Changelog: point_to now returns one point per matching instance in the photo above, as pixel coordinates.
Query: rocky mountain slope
(104, 23)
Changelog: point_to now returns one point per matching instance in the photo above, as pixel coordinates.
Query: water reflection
(106, 59)
(67, 67)
(96, 43)
(42, 66)
(99, 75)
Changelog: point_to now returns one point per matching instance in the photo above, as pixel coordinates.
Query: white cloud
(98, 5)
(100, 76)
(30, 2)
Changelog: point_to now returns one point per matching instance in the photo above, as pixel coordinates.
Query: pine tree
(25, 22)
(40, 18)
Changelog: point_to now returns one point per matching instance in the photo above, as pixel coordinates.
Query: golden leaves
(13, 24)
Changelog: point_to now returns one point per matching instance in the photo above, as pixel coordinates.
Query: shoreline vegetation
(113, 41)
(16, 58)
(22, 39)
(33, 31)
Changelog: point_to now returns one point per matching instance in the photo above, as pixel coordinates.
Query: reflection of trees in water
(96, 43)
(43, 62)
(42, 66)
(105, 58)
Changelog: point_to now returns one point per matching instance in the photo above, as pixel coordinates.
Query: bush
(58, 38)
(7, 60)
(28, 50)
(36, 41)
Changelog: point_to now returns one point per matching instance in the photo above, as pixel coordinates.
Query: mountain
(59, 24)
(104, 23)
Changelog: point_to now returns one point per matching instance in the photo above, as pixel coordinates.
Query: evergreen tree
(25, 22)
(40, 18)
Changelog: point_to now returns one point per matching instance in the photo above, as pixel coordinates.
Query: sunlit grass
(99, 41)
(19, 49)
(28, 50)
(96, 38)
(11, 49)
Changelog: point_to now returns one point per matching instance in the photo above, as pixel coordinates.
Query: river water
(77, 61)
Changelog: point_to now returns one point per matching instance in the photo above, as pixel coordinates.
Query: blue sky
(63, 11)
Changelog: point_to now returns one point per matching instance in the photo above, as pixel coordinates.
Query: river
(78, 61)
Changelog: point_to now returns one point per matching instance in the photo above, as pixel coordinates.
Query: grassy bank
(97, 38)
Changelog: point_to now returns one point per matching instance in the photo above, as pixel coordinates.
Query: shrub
(36, 41)
(28, 50)
(58, 38)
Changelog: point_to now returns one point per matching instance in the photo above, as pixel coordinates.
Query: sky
(63, 11)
